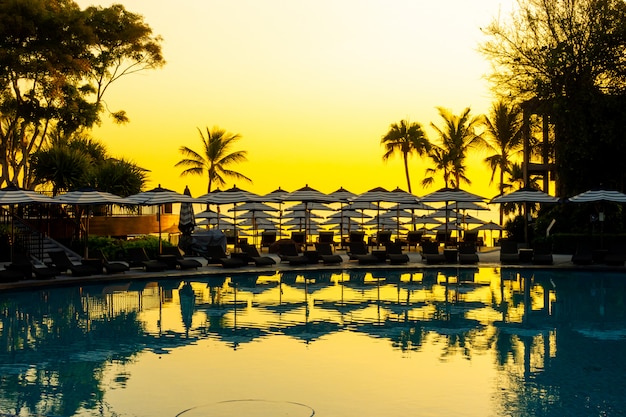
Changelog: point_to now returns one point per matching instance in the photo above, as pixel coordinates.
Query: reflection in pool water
(428, 342)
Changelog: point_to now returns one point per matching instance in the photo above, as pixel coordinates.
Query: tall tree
(569, 57)
(405, 138)
(56, 62)
(457, 137)
(214, 158)
(504, 133)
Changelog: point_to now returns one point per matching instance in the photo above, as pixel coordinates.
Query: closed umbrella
(187, 219)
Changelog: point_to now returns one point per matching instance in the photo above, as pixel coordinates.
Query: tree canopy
(569, 58)
(56, 63)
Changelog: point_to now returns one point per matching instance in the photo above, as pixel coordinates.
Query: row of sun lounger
(24, 267)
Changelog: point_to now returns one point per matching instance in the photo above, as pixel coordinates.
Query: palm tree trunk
(406, 172)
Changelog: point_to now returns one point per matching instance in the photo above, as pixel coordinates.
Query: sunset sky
(311, 86)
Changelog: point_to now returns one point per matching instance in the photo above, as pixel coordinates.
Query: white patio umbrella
(232, 196)
(526, 195)
(599, 195)
(89, 196)
(276, 197)
(308, 195)
(157, 197)
(253, 210)
(491, 226)
(381, 195)
(342, 196)
(451, 195)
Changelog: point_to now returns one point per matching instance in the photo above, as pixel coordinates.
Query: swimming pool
(425, 342)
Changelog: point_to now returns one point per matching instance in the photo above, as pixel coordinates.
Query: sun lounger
(113, 267)
(583, 254)
(63, 263)
(267, 239)
(288, 252)
(326, 255)
(616, 256)
(542, 254)
(509, 253)
(216, 255)
(382, 238)
(430, 253)
(180, 261)
(395, 255)
(253, 255)
(27, 268)
(137, 257)
(357, 251)
(468, 253)
(326, 237)
(414, 238)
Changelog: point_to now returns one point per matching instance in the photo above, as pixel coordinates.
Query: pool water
(426, 342)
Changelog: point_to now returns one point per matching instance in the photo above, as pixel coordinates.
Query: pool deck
(488, 258)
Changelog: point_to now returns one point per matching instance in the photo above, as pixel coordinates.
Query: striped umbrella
(342, 196)
(14, 195)
(88, 196)
(157, 197)
(232, 196)
(451, 195)
(525, 195)
(308, 195)
(592, 196)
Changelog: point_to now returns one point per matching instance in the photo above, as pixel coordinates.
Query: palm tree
(458, 136)
(504, 127)
(405, 138)
(62, 167)
(442, 162)
(214, 158)
(76, 160)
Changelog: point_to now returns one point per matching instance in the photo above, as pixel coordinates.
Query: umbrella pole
(159, 221)
(87, 232)
(12, 243)
(526, 223)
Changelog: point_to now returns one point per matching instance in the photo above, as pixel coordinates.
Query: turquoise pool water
(430, 342)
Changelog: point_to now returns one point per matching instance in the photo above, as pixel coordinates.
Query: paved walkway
(489, 257)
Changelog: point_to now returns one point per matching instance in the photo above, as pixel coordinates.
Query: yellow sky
(311, 86)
